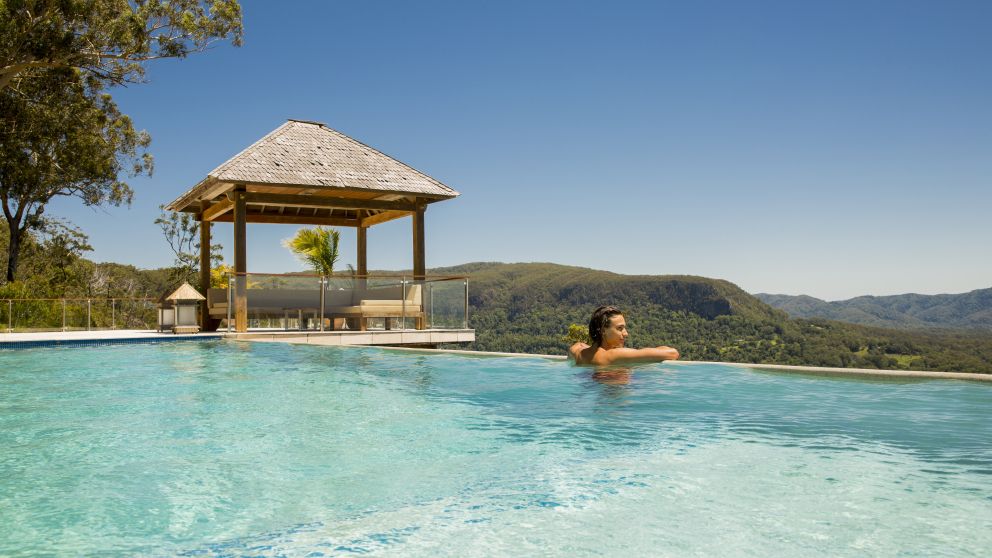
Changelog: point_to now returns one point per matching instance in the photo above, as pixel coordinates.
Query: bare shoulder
(575, 352)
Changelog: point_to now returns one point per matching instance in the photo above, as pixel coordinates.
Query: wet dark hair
(600, 320)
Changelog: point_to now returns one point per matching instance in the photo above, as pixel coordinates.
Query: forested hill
(972, 310)
(520, 287)
(527, 307)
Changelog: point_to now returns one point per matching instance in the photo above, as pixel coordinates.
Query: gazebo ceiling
(306, 173)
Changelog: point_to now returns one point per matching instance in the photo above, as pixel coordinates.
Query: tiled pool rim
(131, 337)
(14, 341)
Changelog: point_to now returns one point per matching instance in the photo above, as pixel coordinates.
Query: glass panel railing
(34, 315)
(445, 304)
(346, 302)
(276, 301)
(76, 314)
(129, 313)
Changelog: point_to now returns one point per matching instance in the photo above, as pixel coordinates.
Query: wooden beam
(294, 220)
(204, 267)
(419, 251)
(210, 188)
(323, 202)
(214, 189)
(216, 210)
(383, 217)
(240, 260)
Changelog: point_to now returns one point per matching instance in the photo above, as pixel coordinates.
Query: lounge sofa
(358, 304)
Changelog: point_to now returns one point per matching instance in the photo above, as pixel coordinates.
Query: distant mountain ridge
(971, 310)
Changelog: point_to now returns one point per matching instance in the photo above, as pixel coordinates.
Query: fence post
(229, 302)
(10, 314)
(430, 293)
(465, 320)
(63, 315)
(323, 285)
(88, 314)
(113, 313)
(403, 308)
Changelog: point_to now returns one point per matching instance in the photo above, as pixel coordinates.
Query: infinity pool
(239, 449)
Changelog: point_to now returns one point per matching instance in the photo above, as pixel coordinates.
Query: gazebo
(306, 173)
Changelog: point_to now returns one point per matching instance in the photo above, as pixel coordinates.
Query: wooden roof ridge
(309, 154)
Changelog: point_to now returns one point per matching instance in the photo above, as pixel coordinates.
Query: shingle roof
(310, 154)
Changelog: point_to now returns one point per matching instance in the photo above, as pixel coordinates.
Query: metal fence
(314, 302)
(77, 314)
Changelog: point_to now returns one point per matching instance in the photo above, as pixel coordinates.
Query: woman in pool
(608, 331)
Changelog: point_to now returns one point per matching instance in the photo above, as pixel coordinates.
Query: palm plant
(316, 247)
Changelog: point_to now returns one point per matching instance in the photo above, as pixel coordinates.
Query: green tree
(108, 39)
(577, 334)
(64, 245)
(62, 138)
(60, 133)
(316, 247)
(182, 232)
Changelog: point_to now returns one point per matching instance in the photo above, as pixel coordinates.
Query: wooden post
(361, 268)
(419, 252)
(204, 267)
(240, 260)
(363, 262)
(419, 260)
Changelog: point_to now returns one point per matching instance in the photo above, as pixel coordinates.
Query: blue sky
(826, 148)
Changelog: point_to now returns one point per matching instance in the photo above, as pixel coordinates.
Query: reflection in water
(618, 386)
(615, 390)
(613, 376)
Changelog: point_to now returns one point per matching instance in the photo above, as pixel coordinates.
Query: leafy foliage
(577, 334)
(61, 138)
(182, 232)
(316, 247)
(108, 39)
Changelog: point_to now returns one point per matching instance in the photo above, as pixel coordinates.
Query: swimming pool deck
(406, 340)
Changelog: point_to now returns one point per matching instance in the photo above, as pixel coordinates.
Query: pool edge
(821, 370)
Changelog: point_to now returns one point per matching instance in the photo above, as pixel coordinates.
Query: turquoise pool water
(223, 448)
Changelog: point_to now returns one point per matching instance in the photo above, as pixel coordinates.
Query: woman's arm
(650, 354)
